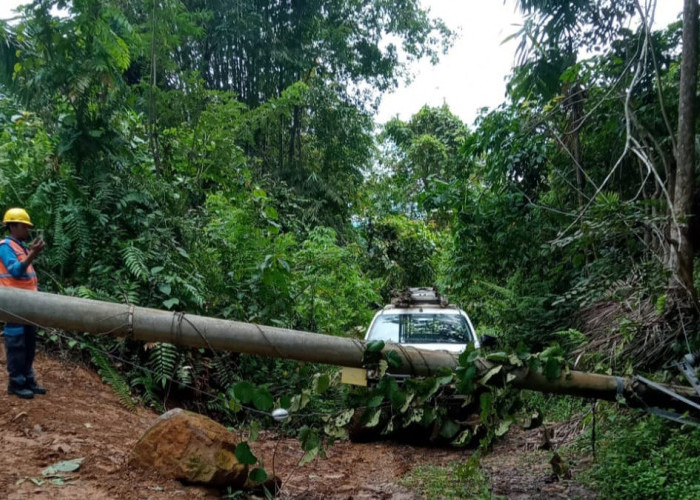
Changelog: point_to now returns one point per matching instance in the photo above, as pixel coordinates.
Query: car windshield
(421, 329)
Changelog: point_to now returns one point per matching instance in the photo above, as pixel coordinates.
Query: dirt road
(81, 417)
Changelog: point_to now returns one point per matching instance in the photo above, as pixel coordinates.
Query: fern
(108, 192)
(223, 372)
(129, 292)
(163, 361)
(87, 293)
(150, 397)
(112, 377)
(195, 292)
(136, 197)
(220, 405)
(76, 228)
(134, 259)
(184, 375)
(61, 253)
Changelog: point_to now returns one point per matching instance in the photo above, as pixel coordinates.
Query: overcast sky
(472, 75)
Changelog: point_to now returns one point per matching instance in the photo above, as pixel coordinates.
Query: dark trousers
(20, 349)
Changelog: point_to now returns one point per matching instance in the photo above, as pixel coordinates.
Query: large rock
(190, 447)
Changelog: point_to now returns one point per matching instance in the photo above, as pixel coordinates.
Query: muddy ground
(82, 417)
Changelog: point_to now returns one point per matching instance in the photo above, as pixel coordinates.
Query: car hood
(453, 348)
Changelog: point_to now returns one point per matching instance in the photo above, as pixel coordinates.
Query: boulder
(192, 448)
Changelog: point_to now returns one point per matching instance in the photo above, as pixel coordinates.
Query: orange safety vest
(28, 280)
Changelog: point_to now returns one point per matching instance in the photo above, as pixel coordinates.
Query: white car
(421, 318)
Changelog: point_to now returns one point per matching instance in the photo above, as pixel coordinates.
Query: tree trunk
(576, 101)
(681, 248)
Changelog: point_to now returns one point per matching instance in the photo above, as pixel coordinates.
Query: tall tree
(422, 157)
(72, 67)
(321, 62)
(552, 35)
(681, 246)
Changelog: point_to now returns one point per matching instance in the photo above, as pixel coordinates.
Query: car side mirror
(488, 340)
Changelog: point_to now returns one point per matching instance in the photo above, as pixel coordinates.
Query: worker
(17, 271)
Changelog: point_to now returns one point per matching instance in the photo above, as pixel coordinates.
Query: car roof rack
(417, 296)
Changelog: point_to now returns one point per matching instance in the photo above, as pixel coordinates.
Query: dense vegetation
(219, 158)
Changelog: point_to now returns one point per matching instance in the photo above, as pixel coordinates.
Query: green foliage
(225, 373)
(259, 396)
(311, 444)
(475, 400)
(217, 158)
(115, 379)
(249, 257)
(554, 408)
(26, 148)
(456, 480)
(552, 33)
(402, 251)
(69, 71)
(163, 361)
(420, 157)
(244, 455)
(648, 456)
(258, 475)
(336, 41)
(504, 152)
(332, 293)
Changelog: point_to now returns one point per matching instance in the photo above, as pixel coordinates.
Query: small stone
(61, 448)
(19, 415)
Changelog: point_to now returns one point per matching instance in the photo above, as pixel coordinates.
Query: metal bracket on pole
(620, 388)
(130, 323)
(667, 414)
(668, 392)
(688, 368)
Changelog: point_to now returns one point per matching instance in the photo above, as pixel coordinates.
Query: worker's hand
(37, 246)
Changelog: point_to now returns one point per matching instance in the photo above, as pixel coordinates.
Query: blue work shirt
(16, 269)
(9, 258)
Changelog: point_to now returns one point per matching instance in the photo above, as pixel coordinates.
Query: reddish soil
(82, 417)
(518, 469)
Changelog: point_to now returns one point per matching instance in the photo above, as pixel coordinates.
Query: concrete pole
(153, 325)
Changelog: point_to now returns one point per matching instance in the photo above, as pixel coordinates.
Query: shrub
(648, 458)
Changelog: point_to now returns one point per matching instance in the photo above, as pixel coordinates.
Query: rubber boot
(20, 391)
(16, 358)
(33, 386)
(29, 350)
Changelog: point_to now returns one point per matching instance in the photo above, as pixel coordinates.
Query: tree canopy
(221, 157)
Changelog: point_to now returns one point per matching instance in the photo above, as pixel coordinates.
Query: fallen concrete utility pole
(153, 325)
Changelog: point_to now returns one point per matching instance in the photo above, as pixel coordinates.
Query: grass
(457, 480)
(554, 408)
(646, 457)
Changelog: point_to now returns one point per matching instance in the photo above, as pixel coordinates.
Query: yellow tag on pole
(354, 376)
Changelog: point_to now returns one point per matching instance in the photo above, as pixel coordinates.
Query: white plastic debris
(280, 414)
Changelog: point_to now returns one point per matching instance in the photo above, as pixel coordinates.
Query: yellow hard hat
(17, 215)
